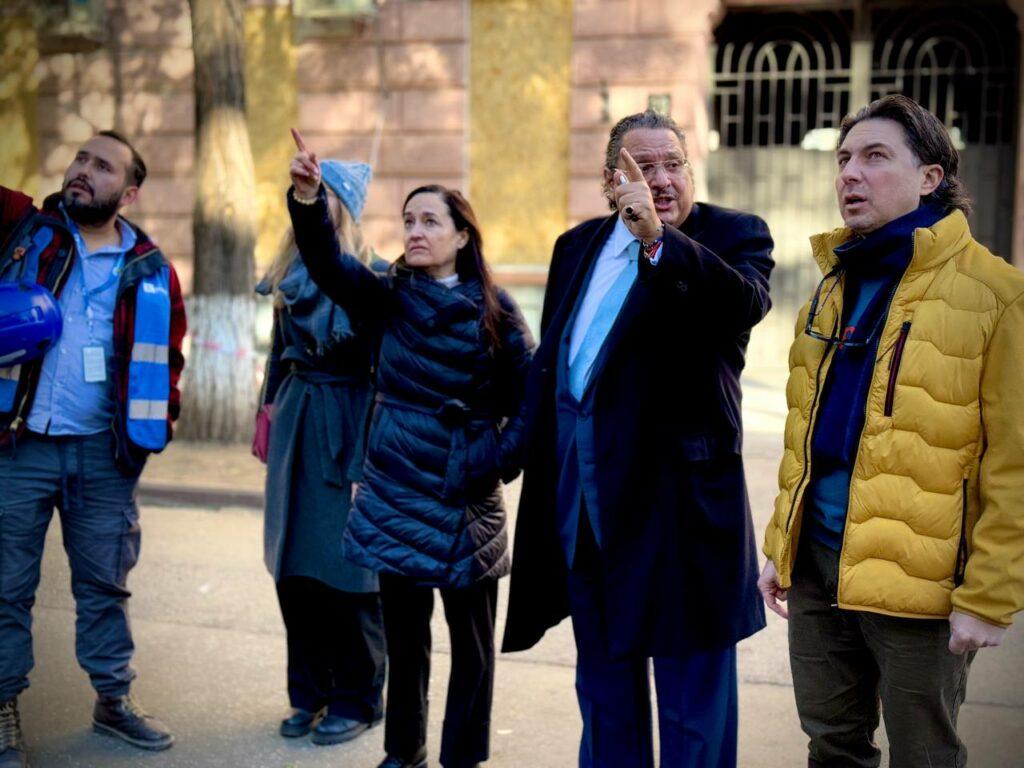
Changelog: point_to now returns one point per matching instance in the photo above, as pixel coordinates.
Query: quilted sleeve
(993, 586)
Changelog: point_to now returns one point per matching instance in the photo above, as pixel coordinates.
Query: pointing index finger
(298, 140)
(629, 164)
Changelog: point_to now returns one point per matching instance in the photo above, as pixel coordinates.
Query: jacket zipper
(894, 367)
(805, 474)
(961, 550)
(807, 437)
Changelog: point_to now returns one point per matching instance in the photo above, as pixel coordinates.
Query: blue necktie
(604, 318)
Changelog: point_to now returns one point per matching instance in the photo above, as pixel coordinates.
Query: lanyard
(115, 273)
(88, 293)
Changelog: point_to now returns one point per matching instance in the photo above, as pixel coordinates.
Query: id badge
(94, 364)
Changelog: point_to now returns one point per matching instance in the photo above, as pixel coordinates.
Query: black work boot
(334, 729)
(298, 722)
(12, 744)
(120, 716)
(419, 760)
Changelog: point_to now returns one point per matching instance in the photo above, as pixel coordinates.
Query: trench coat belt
(460, 418)
(313, 376)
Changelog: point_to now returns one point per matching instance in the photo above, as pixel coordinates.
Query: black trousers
(470, 612)
(335, 648)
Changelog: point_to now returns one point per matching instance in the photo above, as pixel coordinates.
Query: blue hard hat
(30, 322)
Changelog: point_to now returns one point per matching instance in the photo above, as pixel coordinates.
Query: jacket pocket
(894, 366)
(961, 550)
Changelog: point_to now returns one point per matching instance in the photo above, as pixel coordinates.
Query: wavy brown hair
(927, 138)
(469, 260)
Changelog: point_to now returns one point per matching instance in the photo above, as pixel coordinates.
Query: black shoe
(122, 717)
(334, 729)
(419, 760)
(12, 743)
(298, 723)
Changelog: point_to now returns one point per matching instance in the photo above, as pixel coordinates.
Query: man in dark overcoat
(634, 515)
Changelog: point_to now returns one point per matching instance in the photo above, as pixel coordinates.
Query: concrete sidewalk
(211, 654)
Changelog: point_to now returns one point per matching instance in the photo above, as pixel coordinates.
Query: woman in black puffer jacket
(444, 434)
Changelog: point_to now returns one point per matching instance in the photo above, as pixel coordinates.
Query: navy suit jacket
(678, 553)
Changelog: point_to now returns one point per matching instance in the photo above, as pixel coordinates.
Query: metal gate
(783, 82)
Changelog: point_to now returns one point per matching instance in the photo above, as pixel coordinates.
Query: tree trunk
(219, 389)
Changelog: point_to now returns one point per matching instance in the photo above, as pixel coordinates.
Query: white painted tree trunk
(219, 391)
(219, 386)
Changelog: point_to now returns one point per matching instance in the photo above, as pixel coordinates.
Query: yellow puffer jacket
(936, 512)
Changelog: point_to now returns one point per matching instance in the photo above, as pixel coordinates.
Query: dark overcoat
(319, 385)
(679, 560)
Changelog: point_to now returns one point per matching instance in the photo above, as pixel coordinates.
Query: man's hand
(773, 594)
(967, 633)
(304, 170)
(633, 198)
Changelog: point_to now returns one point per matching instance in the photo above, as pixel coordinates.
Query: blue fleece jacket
(872, 267)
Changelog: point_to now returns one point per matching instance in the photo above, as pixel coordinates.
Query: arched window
(778, 76)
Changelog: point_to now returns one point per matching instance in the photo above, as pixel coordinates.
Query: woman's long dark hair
(469, 261)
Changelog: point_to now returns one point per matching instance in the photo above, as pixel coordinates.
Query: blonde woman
(315, 398)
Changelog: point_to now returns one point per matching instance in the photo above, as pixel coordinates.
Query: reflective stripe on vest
(149, 375)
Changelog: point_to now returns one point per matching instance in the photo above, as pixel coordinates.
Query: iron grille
(958, 61)
(779, 76)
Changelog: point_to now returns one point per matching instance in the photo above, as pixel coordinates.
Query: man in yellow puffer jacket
(898, 534)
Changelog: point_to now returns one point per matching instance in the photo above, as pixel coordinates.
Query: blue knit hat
(348, 181)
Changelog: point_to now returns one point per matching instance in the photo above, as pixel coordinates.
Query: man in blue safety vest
(77, 423)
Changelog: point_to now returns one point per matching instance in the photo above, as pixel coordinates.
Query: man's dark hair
(927, 138)
(646, 119)
(137, 168)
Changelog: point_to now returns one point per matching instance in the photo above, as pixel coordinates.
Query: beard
(92, 213)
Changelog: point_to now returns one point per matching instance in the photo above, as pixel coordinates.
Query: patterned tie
(604, 318)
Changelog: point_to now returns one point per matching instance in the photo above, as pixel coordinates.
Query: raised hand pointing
(633, 199)
(304, 169)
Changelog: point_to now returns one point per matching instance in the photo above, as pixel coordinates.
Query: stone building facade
(509, 100)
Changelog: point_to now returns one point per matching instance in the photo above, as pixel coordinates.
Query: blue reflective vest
(149, 375)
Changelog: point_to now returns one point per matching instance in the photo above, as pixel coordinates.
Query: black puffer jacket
(445, 430)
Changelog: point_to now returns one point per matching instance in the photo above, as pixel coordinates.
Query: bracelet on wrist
(648, 244)
(305, 200)
(650, 248)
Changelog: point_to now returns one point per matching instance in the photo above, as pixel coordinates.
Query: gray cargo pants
(100, 525)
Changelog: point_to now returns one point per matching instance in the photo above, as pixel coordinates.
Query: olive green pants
(847, 663)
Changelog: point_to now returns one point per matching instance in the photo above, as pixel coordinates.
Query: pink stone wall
(625, 51)
(405, 72)
(141, 84)
(393, 91)
(394, 94)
